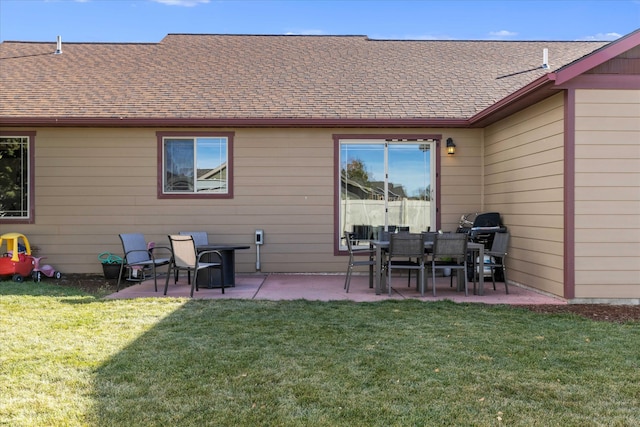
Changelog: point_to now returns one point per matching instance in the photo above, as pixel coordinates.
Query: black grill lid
(487, 219)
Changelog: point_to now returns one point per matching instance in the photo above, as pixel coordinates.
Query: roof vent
(59, 46)
(545, 58)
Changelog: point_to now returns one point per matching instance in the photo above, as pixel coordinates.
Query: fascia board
(598, 57)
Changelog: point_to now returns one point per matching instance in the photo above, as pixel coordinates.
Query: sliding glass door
(386, 185)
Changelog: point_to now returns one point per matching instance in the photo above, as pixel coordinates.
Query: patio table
(212, 279)
(383, 245)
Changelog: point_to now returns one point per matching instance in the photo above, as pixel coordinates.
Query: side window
(195, 165)
(16, 178)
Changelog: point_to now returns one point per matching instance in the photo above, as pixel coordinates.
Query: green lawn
(72, 359)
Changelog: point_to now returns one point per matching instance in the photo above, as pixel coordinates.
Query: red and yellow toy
(18, 263)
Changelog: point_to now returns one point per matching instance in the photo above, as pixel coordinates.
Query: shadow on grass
(393, 362)
(166, 361)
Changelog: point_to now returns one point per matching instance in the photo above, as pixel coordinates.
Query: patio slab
(330, 287)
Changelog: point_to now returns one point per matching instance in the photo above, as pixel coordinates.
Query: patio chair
(353, 253)
(406, 252)
(200, 238)
(497, 256)
(186, 257)
(427, 237)
(140, 257)
(450, 251)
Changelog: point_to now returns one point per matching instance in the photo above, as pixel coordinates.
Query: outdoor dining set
(428, 252)
(212, 265)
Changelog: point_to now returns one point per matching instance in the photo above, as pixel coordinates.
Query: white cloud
(186, 3)
(502, 33)
(601, 37)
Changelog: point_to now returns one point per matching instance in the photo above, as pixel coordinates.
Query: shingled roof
(269, 77)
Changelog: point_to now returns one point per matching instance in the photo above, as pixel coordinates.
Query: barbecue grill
(481, 228)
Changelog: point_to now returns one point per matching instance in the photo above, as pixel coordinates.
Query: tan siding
(530, 184)
(92, 184)
(628, 165)
(594, 292)
(615, 97)
(286, 177)
(607, 194)
(528, 209)
(524, 182)
(521, 174)
(461, 184)
(623, 212)
(589, 179)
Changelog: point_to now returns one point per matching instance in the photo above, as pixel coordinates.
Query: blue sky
(151, 20)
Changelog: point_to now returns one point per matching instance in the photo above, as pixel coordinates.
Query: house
(98, 139)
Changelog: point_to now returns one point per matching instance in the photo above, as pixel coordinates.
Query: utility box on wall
(259, 239)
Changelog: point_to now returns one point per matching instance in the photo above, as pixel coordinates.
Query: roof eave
(551, 83)
(535, 91)
(232, 122)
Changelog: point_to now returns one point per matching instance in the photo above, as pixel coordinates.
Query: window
(16, 178)
(385, 184)
(196, 165)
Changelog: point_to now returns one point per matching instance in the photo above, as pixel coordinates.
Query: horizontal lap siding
(89, 186)
(461, 183)
(284, 180)
(607, 194)
(523, 173)
(92, 184)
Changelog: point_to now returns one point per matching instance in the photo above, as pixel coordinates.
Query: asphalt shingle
(271, 77)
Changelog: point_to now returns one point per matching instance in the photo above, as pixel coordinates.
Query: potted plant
(111, 265)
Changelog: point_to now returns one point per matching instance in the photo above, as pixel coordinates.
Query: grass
(68, 358)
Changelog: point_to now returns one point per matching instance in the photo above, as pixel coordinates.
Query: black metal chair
(406, 252)
(497, 255)
(368, 260)
(450, 251)
(140, 257)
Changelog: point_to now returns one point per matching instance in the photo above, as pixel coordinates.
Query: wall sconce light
(451, 147)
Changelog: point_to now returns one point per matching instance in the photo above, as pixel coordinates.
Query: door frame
(337, 138)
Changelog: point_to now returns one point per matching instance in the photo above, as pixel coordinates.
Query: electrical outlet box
(259, 237)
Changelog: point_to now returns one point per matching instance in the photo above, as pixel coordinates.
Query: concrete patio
(330, 287)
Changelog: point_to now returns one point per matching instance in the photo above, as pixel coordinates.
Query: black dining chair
(368, 259)
(497, 255)
(406, 252)
(450, 251)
